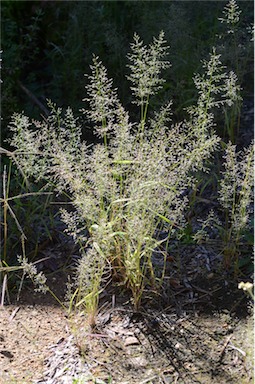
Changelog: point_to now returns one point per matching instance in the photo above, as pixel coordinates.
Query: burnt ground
(199, 330)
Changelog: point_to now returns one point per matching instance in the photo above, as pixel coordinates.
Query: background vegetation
(48, 46)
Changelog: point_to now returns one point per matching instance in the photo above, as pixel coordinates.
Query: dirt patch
(26, 332)
(197, 331)
(149, 347)
(126, 347)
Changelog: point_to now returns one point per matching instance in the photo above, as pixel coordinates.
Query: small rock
(139, 362)
(131, 340)
(210, 276)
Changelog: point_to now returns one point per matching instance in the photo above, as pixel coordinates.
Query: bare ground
(126, 347)
(199, 331)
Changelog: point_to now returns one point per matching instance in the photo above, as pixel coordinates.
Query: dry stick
(237, 349)
(34, 98)
(5, 192)
(13, 314)
(149, 379)
(224, 348)
(4, 286)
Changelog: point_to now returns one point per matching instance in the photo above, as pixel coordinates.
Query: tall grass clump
(236, 44)
(235, 197)
(132, 184)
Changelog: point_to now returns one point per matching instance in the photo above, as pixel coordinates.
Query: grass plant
(248, 332)
(236, 43)
(235, 197)
(132, 184)
(24, 208)
(16, 218)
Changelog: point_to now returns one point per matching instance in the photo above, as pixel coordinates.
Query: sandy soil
(145, 347)
(198, 332)
(26, 332)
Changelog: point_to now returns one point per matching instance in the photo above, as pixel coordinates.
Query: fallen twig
(237, 349)
(13, 314)
(224, 348)
(4, 287)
